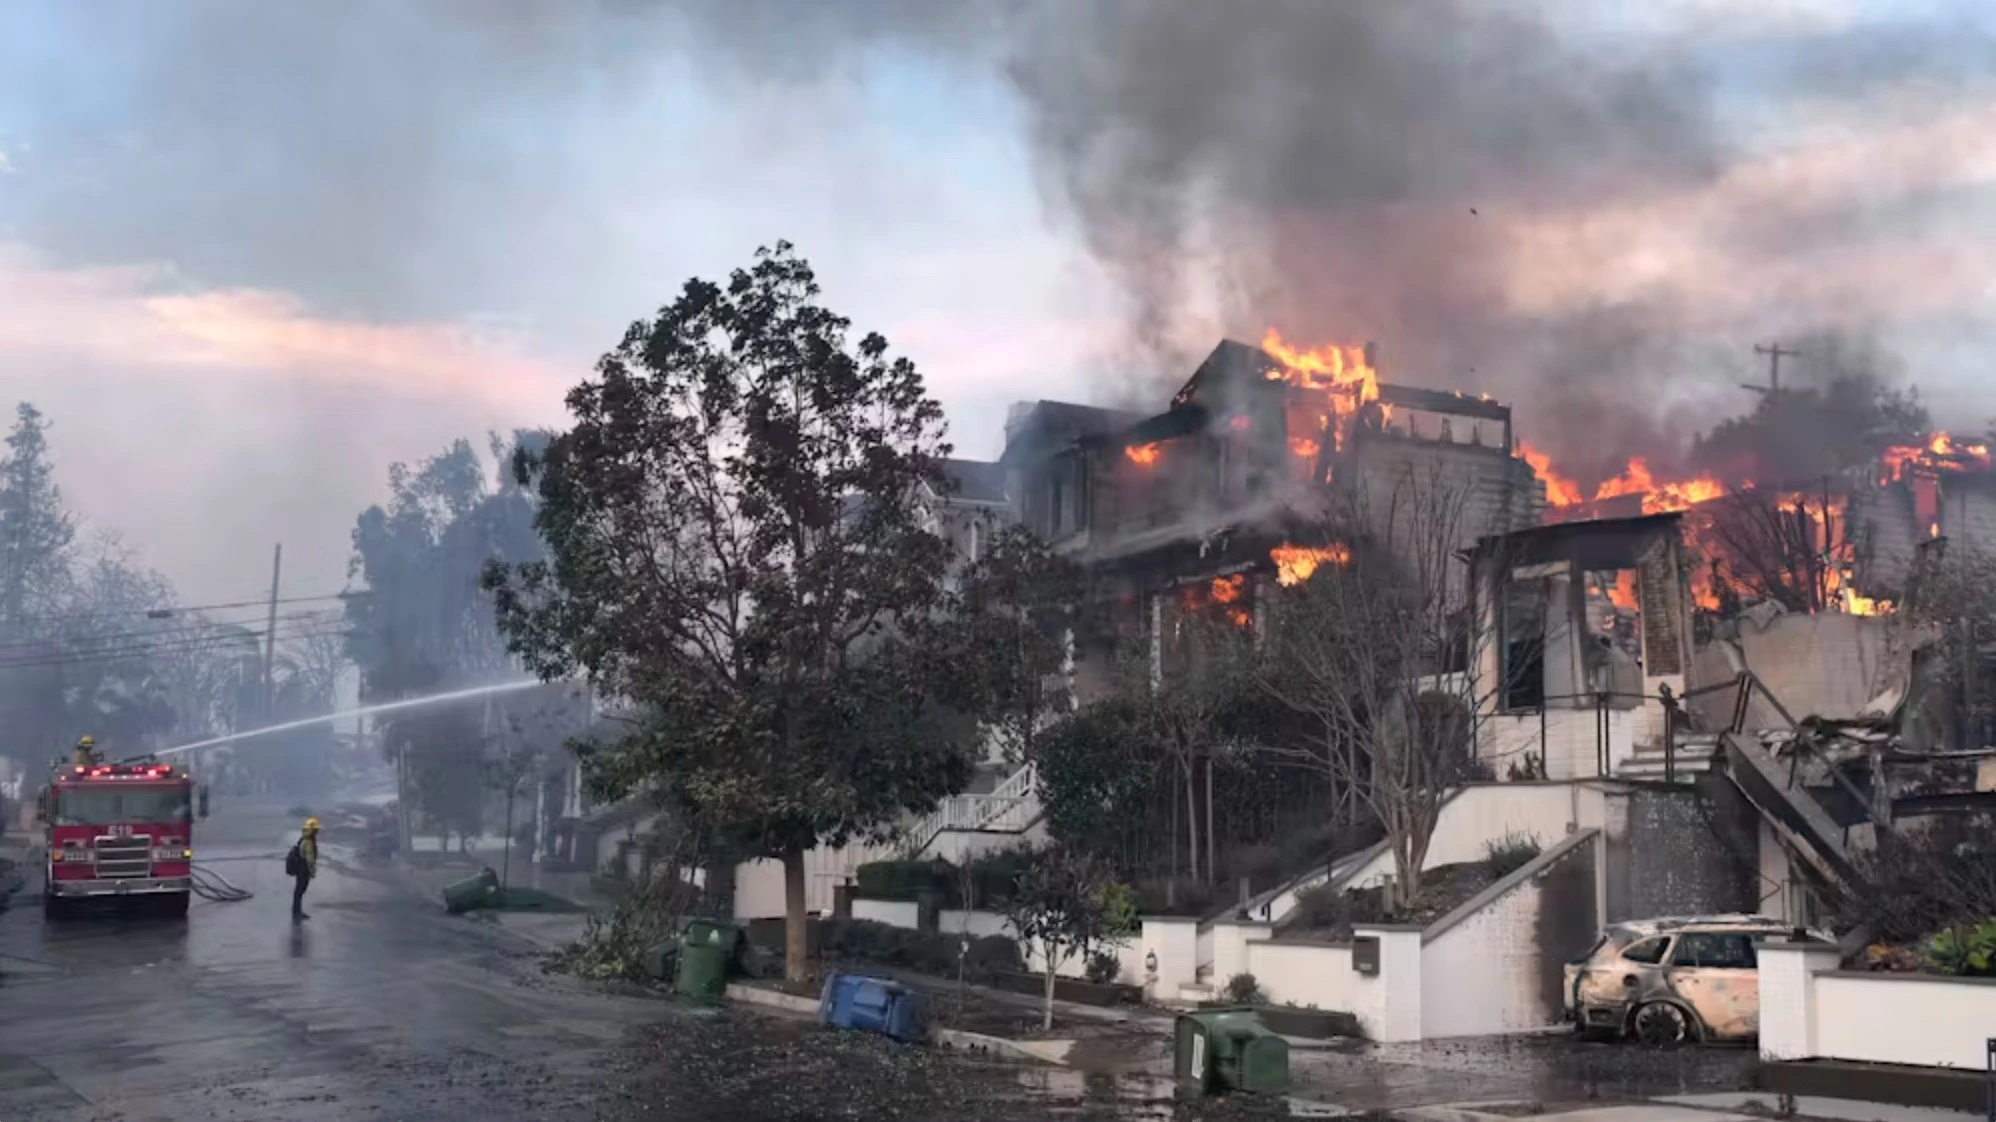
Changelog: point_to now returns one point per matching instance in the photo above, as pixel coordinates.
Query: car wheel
(1660, 1024)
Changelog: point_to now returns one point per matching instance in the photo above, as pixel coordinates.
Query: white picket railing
(1009, 808)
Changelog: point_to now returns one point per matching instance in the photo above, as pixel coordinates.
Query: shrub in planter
(991, 955)
(903, 880)
(1966, 951)
(1506, 855)
(1103, 968)
(1242, 989)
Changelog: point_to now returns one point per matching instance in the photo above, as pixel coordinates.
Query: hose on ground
(210, 885)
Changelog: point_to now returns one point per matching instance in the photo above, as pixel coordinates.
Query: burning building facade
(1261, 467)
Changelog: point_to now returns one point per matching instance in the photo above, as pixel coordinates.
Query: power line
(177, 609)
(245, 626)
(172, 646)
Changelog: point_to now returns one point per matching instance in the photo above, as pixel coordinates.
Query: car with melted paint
(1674, 980)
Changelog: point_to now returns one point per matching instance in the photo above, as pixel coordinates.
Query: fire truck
(122, 831)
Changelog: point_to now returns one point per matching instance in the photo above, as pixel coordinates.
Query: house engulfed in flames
(1197, 509)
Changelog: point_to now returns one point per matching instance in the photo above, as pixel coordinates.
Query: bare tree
(1795, 548)
(1190, 687)
(1378, 653)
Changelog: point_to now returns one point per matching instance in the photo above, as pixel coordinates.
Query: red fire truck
(123, 830)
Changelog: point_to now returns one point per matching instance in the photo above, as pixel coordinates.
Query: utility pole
(1775, 352)
(270, 633)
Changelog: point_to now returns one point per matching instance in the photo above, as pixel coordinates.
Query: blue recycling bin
(876, 1005)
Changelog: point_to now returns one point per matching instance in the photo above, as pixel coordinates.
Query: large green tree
(423, 625)
(736, 553)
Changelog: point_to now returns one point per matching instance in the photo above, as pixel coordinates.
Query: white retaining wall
(1811, 1010)
(1486, 973)
(1490, 812)
(1321, 976)
(898, 913)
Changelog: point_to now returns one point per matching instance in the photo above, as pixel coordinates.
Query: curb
(1464, 1112)
(1054, 1052)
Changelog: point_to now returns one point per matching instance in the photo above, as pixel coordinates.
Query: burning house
(1231, 487)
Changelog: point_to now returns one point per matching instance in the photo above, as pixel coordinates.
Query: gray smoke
(1340, 169)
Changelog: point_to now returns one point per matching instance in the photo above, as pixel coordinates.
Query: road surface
(381, 1007)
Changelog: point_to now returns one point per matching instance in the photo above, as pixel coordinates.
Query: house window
(1523, 622)
(973, 541)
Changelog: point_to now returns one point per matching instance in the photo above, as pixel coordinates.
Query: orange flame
(1294, 564)
(1560, 491)
(1337, 374)
(1226, 590)
(1937, 453)
(1144, 455)
(1659, 498)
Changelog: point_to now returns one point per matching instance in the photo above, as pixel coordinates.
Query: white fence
(1811, 1010)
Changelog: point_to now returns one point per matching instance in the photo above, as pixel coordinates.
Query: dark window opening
(1649, 950)
(1523, 621)
(1725, 950)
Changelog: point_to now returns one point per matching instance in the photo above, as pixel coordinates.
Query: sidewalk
(1739, 1106)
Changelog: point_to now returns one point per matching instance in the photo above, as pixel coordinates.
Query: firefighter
(303, 864)
(86, 752)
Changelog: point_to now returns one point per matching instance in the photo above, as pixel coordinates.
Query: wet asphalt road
(378, 1006)
(382, 1007)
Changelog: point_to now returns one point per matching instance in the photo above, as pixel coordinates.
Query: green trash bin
(1229, 1049)
(481, 891)
(707, 950)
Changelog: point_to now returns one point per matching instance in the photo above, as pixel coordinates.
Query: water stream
(363, 711)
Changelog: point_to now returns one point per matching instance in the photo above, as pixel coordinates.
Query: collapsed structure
(1641, 636)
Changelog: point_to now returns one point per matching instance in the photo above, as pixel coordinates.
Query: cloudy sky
(250, 253)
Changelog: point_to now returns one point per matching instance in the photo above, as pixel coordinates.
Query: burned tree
(1375, 653)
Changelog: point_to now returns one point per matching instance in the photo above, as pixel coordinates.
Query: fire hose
(210, 885)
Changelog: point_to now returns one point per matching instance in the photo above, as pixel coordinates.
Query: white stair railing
(1009, 808)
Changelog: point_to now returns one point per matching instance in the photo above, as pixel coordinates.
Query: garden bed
(1077, 990)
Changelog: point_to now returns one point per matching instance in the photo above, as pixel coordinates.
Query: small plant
(1532, 768)
(1966, 951)
(1242, 989)
(1506, 855)
(1322, 908)
(1103, 968)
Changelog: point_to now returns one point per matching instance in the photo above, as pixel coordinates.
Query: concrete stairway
(1693, 757)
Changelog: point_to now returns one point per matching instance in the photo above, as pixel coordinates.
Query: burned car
(1675, 980)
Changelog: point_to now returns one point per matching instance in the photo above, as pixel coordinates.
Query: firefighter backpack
(294, 862)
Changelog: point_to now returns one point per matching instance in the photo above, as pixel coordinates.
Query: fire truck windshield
(92, 806)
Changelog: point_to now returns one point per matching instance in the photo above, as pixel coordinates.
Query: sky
(252, 254)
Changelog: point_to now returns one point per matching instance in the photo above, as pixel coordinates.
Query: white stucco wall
(759, 884)
(895, 913)
(1474, 817)
(1904, 1019)
(1488, 812)
(1230, 941)
(1486, 974)
(1504, 739)
(1810, 1010)
(1175, 942)
(1320, 976)
(978, 924)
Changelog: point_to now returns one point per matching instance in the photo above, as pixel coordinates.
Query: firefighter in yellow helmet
(302, 863)
(86, 753)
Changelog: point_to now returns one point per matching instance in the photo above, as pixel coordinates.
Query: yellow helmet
(87, 742)
(311, 825)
